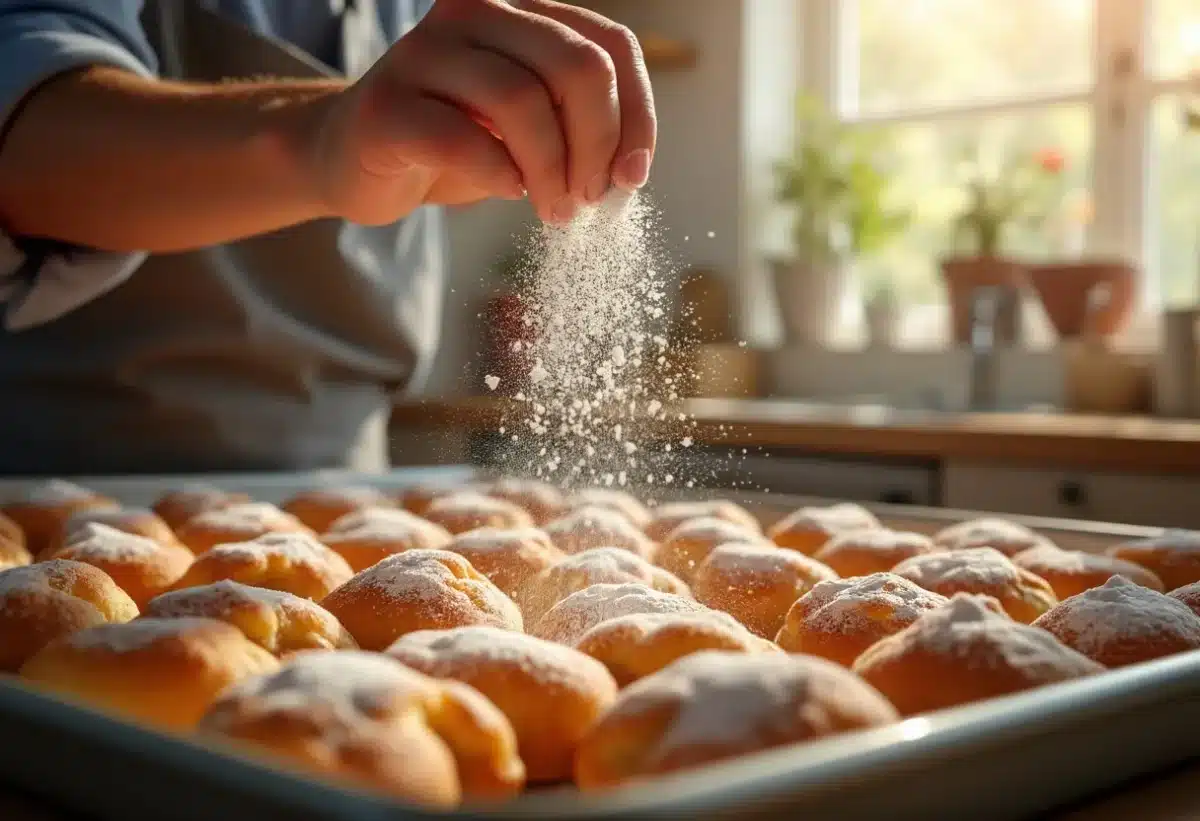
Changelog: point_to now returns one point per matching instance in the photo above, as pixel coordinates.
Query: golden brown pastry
(588, 527)
(1122, 623)
(666, 518)
(601, 565)
(618, 500)
(1008, 537)
(468, 510)
(636, 646)
(809, 529)
(542, 501)
(280, 623)
(551, 694)
(419, 590)
(13, 552)
(1189, 594)
(509, 558)
(178, 506)
(368, 536)
(43, 510)
(236, 523)
(417, 498)
(985, 571)
(863, 552)
(369, 721)
(1173, 556)
(1071, 572)
(839, 619)
(319, 508)
(141, 567)
(161, 672)
(11, 533)
(567, 621)
(137, 521)
(967, 651)
(40, 602)
(689, 544)
(713, 706)
(292, 562)
(756, 584)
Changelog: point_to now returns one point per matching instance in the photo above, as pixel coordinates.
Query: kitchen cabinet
(1129, 498)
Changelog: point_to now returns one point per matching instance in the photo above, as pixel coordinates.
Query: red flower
(1051, 161)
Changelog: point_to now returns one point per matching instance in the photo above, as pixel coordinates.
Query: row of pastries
(459, 644)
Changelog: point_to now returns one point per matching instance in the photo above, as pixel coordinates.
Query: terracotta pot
(964, 275)
(1068, 291)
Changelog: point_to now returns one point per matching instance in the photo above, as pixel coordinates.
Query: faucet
(987, 306)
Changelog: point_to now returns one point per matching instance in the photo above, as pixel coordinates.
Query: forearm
(108, 160)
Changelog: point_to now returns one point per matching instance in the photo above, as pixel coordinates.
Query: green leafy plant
(837, 181)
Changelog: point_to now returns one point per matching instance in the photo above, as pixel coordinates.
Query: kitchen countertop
(1122, 443)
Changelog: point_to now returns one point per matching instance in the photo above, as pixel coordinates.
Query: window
(1103, 82)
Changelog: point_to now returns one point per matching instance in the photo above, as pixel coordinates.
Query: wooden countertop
(1119, 443)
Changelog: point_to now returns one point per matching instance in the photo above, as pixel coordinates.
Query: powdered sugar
(59, 492)
(667, 517)
(143, 633)
(466, 510)
(291, 547)
(710, 530)
(385, 525)
(971, 570)
(1003, 535)
(602, 565)
(219, 598)
(256, 517)
(93, 540)
(569, 619)
(881, 601)
(738, 563)
(613, 499)
(590, 527)
(834, 519)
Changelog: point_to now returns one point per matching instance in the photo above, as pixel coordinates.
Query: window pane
(1175, 37)
(933, 52)
(929, 179)
(1175, 209)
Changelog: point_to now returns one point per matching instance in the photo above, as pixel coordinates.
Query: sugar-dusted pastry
(1188, 594)
(419, 590)
(509, 558)
(874, 550)
(585, 528)
(985, 571)
(161, 672)
(318, 508)
(613, 499)
(366, 720)
(714, 705)
(138, 521)
(41, 602)
(689, 544)
(756, 584)
(468, 510)
(417, 498)
(1122, 623)
(140, 566)
(600, 565)
(635, 646)
(542, 501)
(551, 694)
(293, 562)
(809, 529)
(967, 651)
(365, 537)
(1173, 556)
(567, 621)
(176, 507)
(1071, 572)
(1008, 537)
(41, 512)
(236, 523)
(667, 517)
(280, 623)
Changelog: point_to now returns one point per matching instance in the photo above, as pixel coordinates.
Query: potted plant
(836, 186)
(881, 314)
(1016, 189)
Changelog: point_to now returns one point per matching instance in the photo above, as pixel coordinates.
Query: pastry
(689, 544)
(756, 584)
(139, 522)
(280, 623)
(13, 552)
(1188, 594)
(1173, 556)
(589, 527)
(467, 510)
(551, 694)
(985, 571)
(140, 566)
(667, 517)
(41, 513)
(714, 705)
(509, 558)
(419, 590)
(236, 523)
(369, 721)
(620, 501)
(417, 498)
(1122, 623)
(877, 550)
(161, 672)
(567, 621)
(292, 562)
(178, 506)
(808, 529)
(543, 502)
(1071, 572)
(1008, 537)
(319, 508)
(367, 536)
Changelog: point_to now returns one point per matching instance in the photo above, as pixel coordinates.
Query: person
(220, 235)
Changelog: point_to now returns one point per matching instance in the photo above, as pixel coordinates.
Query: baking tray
(1010, 758)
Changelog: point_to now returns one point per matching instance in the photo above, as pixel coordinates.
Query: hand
(483, 99)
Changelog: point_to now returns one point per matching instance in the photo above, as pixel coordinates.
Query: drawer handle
(1072, 493)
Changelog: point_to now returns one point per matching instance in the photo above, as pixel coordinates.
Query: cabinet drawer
(1156, 501)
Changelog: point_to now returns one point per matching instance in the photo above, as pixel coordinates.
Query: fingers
(515, 104)
(639, 128)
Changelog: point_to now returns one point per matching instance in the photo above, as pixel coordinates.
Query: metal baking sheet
(1010, 758)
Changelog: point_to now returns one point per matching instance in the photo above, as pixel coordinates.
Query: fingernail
(633, 169)
(595, 189)
(514, 191)
(563, 210)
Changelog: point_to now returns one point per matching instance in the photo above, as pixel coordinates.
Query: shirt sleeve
(40, 282)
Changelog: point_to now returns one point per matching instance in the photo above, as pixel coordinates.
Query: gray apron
(281, 352)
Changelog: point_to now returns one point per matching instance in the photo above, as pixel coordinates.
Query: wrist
(296, 122)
